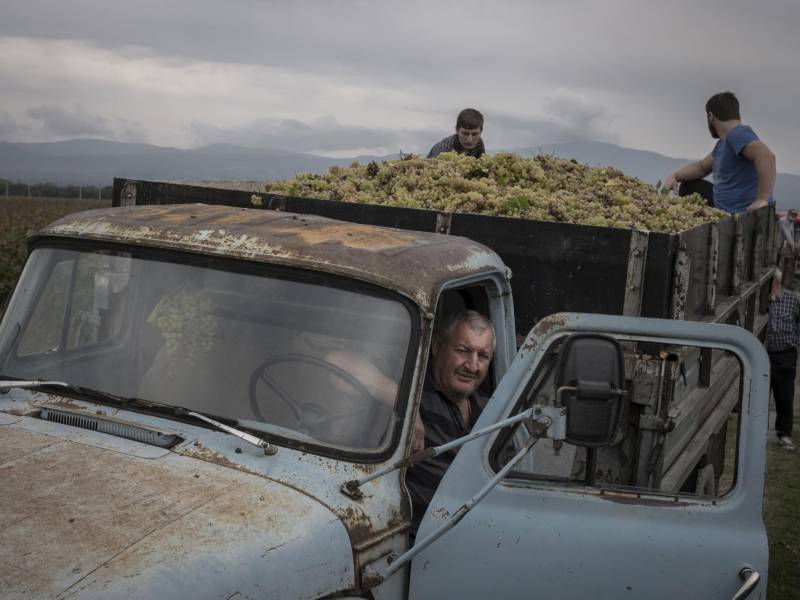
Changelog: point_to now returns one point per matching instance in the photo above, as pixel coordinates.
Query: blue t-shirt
(735, 178)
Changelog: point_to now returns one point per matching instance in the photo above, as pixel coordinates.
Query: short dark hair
(469, 118)
(724, 106)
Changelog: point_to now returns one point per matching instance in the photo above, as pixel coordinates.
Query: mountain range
(97, 162)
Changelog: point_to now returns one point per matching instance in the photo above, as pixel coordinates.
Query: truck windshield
(309, 357)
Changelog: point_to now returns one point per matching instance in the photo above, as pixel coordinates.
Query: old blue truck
(172, 424)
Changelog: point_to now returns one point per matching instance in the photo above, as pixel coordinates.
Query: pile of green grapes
(543, 187)
(187, 325)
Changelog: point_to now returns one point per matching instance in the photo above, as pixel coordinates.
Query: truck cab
(185, 412)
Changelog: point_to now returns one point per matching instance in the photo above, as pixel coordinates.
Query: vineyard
(20, 217)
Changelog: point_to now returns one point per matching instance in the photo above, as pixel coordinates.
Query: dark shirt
(451, 144)
(783, 327)
(443, 423)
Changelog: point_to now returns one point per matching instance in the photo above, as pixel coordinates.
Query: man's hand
(756, 204)
(418, 436)
(671, 183)
(695, 170)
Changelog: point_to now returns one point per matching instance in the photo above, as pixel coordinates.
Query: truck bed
(715, 272)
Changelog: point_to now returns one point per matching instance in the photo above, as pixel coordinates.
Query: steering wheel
(309, 415)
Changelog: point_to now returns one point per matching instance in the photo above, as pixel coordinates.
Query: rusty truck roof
(414, 263)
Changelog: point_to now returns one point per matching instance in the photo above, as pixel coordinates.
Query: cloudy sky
(346, 77)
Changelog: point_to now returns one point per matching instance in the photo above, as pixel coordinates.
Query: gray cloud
(646, 67)
(8, 127)
(572, 120)
(59, 121)
(321, 135)
(566, 119)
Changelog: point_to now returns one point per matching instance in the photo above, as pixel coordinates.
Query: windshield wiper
(5, 383)
(268, 448)
(88, 393)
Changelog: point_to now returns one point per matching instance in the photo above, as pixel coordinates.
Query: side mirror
(590, 380)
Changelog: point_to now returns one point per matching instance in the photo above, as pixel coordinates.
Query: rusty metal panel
(99, 523)
(411, 262)
(680, 282)
(634, 282)
(739, 264)
(696, 243)
(713, 268)
(371, 526)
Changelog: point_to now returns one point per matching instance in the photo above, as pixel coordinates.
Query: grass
(19, 218)
(782, 516)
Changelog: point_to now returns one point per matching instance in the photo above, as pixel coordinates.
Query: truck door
(560, 526)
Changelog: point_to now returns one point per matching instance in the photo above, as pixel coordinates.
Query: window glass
(45, 327)
(679, 428)
(99, 300)
(308, 356)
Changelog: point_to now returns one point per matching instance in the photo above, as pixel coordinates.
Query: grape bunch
(186, 322)
(543, 187)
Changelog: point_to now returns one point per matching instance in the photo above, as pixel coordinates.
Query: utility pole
(80, 192)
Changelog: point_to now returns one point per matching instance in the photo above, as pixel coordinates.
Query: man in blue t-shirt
(743, 166)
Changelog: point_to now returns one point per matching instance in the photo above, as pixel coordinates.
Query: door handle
(750, 579)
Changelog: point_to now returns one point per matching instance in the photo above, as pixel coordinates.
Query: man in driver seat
(462, 350)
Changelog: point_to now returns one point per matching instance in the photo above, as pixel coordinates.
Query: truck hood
(77, 520)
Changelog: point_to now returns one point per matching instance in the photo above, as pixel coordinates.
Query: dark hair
(724, 106)
(469, 118)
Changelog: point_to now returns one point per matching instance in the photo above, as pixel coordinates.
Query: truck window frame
(300, 274)
(523, 478)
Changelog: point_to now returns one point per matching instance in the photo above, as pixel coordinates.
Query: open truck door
(556, 524)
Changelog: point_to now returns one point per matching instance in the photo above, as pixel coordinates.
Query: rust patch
(358, 524)
(550, 323)
(60, 402)
(364, 237)
(385, 256)
(197, 450)
(93, 516)
(19, 412)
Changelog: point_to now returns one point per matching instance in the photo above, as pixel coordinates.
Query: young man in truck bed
(743, 166)
(467, 138)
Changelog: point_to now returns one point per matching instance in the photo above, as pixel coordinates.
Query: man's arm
(692, 171)
(374, 381)
(764, 162)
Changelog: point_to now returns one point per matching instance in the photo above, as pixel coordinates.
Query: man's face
(468, 138)
(461, 361)
(711, 128)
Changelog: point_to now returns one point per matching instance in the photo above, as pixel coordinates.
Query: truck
(173, 423)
